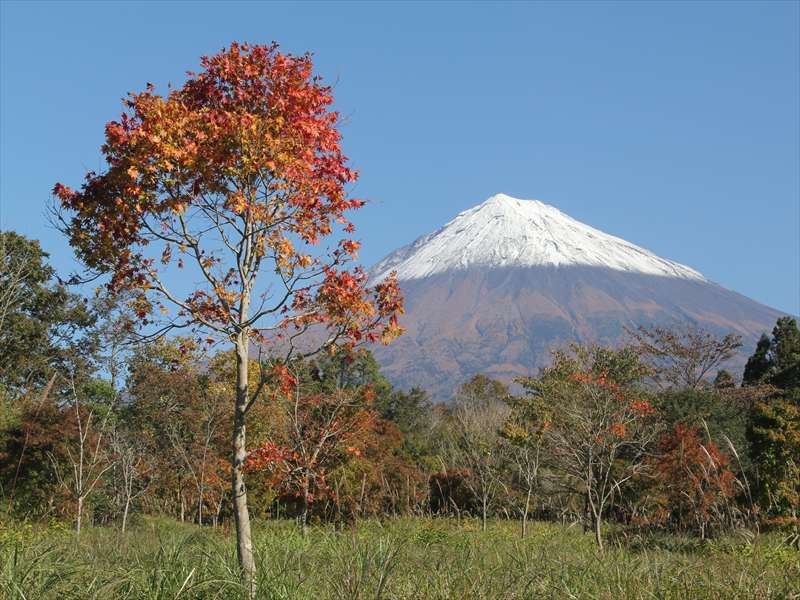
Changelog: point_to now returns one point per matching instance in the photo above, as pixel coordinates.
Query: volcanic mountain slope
(499, 286)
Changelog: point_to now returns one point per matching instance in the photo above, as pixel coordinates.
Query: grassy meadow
(403, 558)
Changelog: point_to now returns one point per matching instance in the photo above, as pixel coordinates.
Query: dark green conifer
(759, 364)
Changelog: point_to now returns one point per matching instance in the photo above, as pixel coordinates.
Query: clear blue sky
(674, 125)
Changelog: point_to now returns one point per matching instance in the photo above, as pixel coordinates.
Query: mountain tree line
(100, 427)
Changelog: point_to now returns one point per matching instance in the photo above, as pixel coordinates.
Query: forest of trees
(100, 427)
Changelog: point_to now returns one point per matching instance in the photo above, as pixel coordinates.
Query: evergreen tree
(346, 370)
(786, 354)
(758, 365)
(775, 444)
(776, 361)
(774, 424)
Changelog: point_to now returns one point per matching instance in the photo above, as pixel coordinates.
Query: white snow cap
(507, 232)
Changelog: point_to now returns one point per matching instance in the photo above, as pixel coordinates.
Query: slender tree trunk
(525, 513)
(483, 513)
(80, 514)
(361, 499)
(200, 506)
(304, 517)
(244, 542)
(587, 514)
(215, 514)
(125, 513)
(598, 535)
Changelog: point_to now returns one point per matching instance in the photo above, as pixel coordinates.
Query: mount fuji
(498, 287)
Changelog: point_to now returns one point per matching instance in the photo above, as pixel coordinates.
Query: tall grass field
(403, 558)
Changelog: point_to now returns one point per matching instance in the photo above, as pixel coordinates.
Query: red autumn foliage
(694, 478)
(249, 149)
(376, 480)
(323, 431)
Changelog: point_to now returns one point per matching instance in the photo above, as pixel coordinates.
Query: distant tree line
(97, 427)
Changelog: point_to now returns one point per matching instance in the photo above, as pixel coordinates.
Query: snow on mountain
(507, 232)
(500, 286)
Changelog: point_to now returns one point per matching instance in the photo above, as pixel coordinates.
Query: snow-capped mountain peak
(505, 232)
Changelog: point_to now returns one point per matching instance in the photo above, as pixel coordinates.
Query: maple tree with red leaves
(695, 479)
(235, 177)
(322, 432)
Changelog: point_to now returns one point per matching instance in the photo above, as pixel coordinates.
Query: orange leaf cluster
(695, 477)
(325, 433)
(249, 148)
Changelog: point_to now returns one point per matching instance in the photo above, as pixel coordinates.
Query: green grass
(404, 558)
